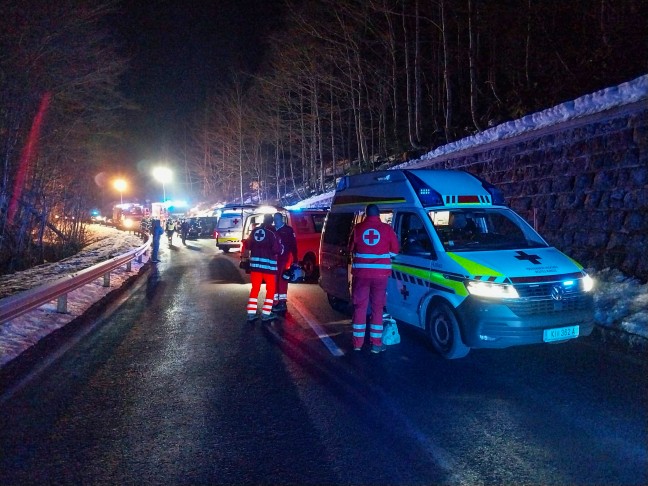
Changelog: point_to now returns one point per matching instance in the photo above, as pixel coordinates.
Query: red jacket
(373, 244)
(289, 241)
(265, 247)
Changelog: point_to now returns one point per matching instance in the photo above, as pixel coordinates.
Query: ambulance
(307, 225)
(229, 228)
(471, 273)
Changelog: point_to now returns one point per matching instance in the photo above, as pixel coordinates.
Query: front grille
(537, 299)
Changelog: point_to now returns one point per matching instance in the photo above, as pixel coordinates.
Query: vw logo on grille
(557, 292)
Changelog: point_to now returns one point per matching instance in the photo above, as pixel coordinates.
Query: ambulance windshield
(483, 229)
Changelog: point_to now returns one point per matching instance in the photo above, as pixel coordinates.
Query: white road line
(321, 333)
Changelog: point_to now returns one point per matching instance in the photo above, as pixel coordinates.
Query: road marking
(321, 333)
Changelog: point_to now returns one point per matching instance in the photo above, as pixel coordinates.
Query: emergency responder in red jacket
(265, 247)
(289, 241)
(372, 245)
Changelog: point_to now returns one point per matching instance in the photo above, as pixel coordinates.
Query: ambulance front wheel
(443, 330)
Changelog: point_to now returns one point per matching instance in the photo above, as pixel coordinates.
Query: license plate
(560, 334)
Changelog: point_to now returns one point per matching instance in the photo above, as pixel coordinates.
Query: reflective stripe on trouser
(366, 289)
(252, 306)
(257, 278)
(282, 285)
(358, 335)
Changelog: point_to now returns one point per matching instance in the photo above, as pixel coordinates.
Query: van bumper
(222, 243)
(488, 324)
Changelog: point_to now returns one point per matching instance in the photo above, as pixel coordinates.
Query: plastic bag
(390, 331)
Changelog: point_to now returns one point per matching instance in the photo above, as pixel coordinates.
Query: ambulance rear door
(335, 258)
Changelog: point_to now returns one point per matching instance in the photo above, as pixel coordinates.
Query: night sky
(179, 50)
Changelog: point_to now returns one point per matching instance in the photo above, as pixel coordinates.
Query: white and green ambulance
(471, 272)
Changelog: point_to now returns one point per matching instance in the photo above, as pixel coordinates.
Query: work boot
(268, 317)
(251, 318)
(378, 349)
(280, 306)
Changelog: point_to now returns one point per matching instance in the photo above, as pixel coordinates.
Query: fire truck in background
(128, 216)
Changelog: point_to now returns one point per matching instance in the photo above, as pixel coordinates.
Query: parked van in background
(307, 224)
(471, 272)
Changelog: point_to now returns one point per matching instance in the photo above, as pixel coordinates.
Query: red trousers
(257, 278)
(363, 290)
(282, 285)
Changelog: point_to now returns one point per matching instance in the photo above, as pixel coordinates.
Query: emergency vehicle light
(427, 195)
(343, 183)
(497, 196)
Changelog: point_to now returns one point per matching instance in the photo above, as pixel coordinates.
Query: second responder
(169, 228)
(289, 257)
(372, 245)
(264, 247)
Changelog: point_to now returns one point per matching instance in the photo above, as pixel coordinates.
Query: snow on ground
(621, 302)
(24, 331)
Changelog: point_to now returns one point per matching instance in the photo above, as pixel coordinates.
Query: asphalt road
(172, 386)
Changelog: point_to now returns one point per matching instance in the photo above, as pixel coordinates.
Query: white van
(471, 272)
(229, 228)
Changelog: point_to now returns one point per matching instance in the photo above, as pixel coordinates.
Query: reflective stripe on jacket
(265, 247)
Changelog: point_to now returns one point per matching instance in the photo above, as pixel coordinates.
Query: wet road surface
(172, 386)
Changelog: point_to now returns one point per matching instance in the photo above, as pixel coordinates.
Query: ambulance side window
(338, 229)
(412, 235)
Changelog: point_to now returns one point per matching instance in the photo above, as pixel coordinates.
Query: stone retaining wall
(583, 183)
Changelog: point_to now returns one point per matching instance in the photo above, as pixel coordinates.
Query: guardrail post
(61, 304)
(139, 258)
(106, 279)
(128, 265)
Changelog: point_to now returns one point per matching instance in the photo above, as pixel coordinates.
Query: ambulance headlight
(491, 290)
(588, 283)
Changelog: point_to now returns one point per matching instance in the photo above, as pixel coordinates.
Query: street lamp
(120, 185)
(163, 175)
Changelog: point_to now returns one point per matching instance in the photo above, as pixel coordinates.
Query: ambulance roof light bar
(427, 195)
(497, 196)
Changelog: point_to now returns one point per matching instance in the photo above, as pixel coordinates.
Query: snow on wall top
(599, 101)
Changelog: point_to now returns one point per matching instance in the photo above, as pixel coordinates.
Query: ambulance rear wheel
(338, 304)
(225, 249)
(443, 330)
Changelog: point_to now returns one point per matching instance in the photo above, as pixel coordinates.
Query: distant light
(266, 209)
(162, 174)
(175, 204)
(120, 185)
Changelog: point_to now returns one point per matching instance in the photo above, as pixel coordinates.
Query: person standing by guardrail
(156, 232)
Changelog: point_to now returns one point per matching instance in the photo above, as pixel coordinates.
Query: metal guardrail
(18, 304)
